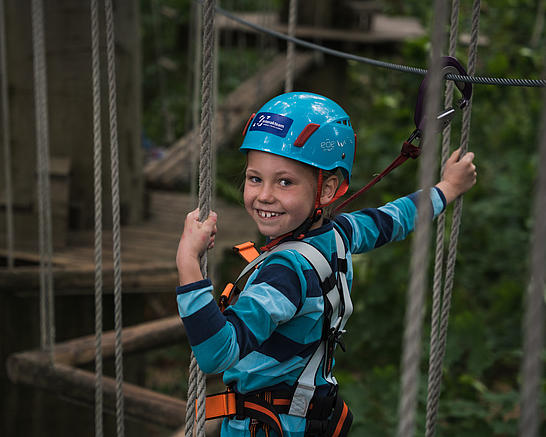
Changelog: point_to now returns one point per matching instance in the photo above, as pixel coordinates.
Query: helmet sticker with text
(271, 123)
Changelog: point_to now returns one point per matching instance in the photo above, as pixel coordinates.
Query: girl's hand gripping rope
(196, 238)
(458, 176)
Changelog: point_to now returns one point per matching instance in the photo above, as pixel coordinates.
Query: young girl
(275, 343)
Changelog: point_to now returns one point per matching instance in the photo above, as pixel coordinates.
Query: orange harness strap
(247, 251)
(229, 404)
(266, 412)
(220, 405)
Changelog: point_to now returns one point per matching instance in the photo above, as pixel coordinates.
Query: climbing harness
(409, 149)
(328, 415)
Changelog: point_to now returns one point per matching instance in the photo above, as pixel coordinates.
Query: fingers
(454, 156)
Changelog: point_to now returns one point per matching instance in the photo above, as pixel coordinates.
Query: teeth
(267, 214)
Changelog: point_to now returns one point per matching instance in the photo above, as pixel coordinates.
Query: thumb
(211, 219)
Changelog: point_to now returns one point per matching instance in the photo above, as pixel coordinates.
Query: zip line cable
(482, 80)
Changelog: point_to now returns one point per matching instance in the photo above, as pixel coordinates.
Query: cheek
(247, 197)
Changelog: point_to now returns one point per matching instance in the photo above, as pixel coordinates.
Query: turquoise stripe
(257, 370)
(190, 303)
(219, 352)
(262, 308)
(437, 202)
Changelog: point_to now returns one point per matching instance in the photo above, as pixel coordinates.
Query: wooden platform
(148, 251)
(229, 120)
(383, 28)
(66, 379)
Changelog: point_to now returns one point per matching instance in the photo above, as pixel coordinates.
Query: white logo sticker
(328, 145)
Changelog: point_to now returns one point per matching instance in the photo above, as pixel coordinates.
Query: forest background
(481, 370)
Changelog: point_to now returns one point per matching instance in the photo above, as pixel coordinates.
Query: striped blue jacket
(267, 337)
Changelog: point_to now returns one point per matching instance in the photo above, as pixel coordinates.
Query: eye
(285, 182)
(253, 179)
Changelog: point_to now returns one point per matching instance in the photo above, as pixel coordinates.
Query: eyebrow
(277, 173)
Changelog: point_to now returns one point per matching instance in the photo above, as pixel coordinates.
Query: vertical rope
(533, 321)
(97, 162)
(196, 385)
(6, 136)
(434, 372)
(116, 231)
(454, 235)
(290, 48)
(420, 247)
(47, 327)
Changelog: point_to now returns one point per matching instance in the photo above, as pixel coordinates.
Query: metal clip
(415, 135)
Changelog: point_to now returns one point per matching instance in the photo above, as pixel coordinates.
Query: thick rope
(197, 383)
(432, 395)
(97, 162)
(533, 321)
(47, 324)
(290, 47)
(454, 235)
(116, 231)
(6, 135)
(441, 222)
(420, 248)
(500, 81)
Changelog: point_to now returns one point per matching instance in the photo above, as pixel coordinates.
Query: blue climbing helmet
(306, 127)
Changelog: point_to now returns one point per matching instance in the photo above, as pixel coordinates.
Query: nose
(265, 194)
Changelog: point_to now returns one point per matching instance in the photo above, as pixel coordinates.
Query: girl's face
(279, 192)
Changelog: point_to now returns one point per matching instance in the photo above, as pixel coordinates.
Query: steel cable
(483, 80)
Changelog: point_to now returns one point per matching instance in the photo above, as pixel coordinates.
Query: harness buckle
(336, 337)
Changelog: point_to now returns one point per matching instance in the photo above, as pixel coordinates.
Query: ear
(329, 188)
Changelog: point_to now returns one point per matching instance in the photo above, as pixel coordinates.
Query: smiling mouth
(268, 214)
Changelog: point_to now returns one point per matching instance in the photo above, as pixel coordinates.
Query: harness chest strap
(339, 300)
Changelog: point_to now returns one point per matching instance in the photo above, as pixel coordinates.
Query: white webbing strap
(305, 387)
(343, 280)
